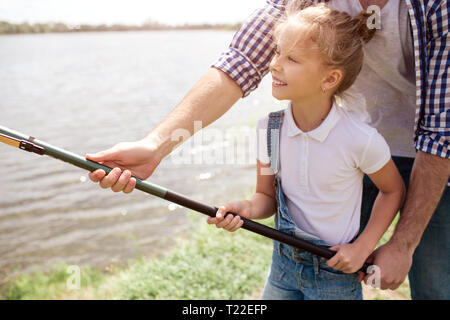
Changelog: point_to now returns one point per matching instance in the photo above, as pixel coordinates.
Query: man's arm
(428, 180)
(206, 101)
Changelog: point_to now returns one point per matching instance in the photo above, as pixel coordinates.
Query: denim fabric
(299, 275)
(429, 277)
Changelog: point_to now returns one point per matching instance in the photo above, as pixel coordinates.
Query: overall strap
(273, 139)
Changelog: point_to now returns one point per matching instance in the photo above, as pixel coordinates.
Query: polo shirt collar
(321, 132)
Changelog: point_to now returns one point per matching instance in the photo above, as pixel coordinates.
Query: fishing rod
(31, 144)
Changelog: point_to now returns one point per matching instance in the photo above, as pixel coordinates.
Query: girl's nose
(274, 65)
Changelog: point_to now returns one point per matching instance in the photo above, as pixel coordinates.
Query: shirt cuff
(240, 69)
(433, 143)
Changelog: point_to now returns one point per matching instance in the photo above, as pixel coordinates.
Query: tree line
(17, 28)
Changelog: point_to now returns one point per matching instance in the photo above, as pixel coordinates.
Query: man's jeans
(429, 276)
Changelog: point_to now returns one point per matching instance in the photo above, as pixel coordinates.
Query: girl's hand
(241, 207)
(349, 258)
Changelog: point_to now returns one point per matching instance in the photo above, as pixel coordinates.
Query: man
(404, 80)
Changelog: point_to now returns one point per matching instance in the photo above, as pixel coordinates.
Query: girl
(312, 157)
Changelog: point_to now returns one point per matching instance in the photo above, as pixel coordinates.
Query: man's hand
(394, 264)
(140, 158)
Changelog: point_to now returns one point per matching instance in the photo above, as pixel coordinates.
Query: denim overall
(297, 274)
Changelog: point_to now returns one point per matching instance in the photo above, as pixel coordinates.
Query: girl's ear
(332, 80)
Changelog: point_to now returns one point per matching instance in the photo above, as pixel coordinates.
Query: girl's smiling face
(297, 68)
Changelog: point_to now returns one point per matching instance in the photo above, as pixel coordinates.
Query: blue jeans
(429, 277)
(299, 275)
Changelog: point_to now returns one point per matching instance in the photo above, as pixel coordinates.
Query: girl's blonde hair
(338, 36)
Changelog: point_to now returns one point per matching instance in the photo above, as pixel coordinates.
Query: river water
(85, 92)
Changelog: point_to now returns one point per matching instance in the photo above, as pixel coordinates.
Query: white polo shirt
(322, 171)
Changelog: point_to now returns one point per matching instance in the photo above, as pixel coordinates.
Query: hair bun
(364, 31)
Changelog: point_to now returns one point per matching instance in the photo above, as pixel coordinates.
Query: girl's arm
(262, 204)
(350, 257)
(389, 200)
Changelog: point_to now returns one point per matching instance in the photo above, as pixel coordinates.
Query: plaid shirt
(250, 52)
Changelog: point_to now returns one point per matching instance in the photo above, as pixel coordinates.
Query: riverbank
(209, 264)
(59, 27)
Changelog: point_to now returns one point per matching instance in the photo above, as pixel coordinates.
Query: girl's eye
(290, 59)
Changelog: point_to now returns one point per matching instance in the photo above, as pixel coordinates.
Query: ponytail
(363, 29)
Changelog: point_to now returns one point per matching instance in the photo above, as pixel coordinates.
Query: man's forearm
(207, 101)
(428, 180)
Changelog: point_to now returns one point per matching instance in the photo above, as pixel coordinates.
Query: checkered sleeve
(434, 127)
(248, 57)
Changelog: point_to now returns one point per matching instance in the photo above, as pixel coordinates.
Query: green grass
(209, 264)
(213, 264)
(40, 285)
